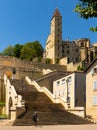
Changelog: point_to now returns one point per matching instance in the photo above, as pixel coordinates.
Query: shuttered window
(95, 85)
(95, 100)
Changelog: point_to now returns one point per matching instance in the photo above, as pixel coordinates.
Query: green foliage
(38, 49)
(2, 103)
(93, 29)
(39, 59)
(47, 61)
(79, 68)
(3, 116)
(95, 56)
(17, 50)
(9, 51)
(27, 51)
(31, 50)
(87, 9)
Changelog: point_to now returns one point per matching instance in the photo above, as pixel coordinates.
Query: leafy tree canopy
(27, 51)
(8, 51)
(31, 50)
(87, 9)
(17, 50)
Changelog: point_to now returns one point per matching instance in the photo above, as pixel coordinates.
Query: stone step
(48, 112)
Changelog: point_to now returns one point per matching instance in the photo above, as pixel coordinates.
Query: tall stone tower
(54, 40)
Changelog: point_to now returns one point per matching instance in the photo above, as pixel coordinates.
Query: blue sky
(22, 21)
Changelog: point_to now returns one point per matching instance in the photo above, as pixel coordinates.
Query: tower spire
(56, 12)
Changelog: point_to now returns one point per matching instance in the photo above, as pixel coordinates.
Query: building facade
(91, 90)
(73, 51)
(54, 40)
(71, 88)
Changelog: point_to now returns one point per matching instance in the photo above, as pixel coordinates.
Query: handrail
(11, 92)
(46, 91)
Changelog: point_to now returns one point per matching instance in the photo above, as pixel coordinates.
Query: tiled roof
(90, 64)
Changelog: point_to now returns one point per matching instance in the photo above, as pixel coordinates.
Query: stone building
(65, 52)
(87, 51)
(91, 90)
(71, 88)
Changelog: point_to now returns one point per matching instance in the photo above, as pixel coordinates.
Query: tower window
(68, 52)
(58, 35)
(76, 50)
(58, 83)
(76, 59)
(68, 60)
(58, 19)
(62, 51)
(58, 48)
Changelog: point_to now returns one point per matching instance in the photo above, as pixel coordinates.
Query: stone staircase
(48, 112)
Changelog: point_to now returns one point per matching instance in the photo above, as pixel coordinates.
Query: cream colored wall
(77, 88)
(80, 84)
(73, 67)
(63, 61)
(91, 110)
(50, 43)
(62, 89)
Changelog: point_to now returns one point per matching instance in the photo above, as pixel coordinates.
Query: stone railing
(77, 110)
(47, 92)
(41, 89)
(13, 100)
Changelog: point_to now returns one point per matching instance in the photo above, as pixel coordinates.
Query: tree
(31, 50)
(38, 49)
(8, 51)
(87, 9)
(26, 51)
(17, 50)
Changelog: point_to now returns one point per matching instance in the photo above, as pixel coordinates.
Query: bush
(79, 68)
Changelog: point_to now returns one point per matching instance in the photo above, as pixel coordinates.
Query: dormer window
(63, 81)
(69, 79)
(58, 83)
(95, 70)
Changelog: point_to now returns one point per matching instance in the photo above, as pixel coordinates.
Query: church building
(65, 52)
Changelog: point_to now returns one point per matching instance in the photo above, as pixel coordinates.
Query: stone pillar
(12, 114)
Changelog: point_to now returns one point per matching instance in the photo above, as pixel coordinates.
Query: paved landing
(51, 127)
